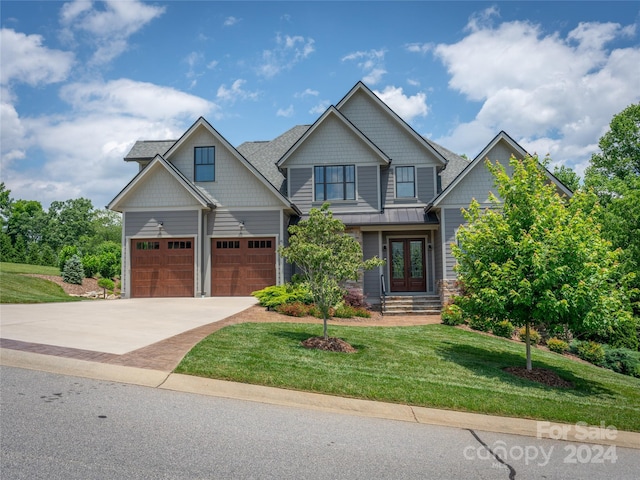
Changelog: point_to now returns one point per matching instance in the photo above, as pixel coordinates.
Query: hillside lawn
(15, 287)
(432, 366)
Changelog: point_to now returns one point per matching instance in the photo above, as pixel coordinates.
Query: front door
(408, 272)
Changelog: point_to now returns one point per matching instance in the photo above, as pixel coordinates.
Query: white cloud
(26, 60)
(236, 92)
(230, 21)
(84, 149)
(408, 107)
(308, 92)
(285, 112)
(419, 47)
(320, 108)
(371, 63)
(109, 27)
(552, 94)
(289, 51)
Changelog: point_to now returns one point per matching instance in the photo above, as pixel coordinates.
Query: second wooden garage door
(240, 266)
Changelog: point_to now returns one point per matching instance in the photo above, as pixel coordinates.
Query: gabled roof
(201, 122)
(333, 112)
(148, 149)
(264, 155)
(361, 87)
(200, 196)
(502, 136)
(455, 164)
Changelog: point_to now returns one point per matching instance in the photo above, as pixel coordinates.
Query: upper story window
(204, 164)
(335, 182)
(405, 182)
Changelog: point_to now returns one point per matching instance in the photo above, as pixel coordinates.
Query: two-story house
(203, 218)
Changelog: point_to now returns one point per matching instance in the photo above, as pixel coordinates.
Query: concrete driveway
(114, 326)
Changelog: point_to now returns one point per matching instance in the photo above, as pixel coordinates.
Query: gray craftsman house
(205, 218)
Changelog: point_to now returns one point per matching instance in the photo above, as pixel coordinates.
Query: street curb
(317, 401)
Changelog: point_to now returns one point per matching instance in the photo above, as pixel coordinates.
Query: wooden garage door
(162, 267)
(240, 266)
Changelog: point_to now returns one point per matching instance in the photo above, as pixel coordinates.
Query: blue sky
(81, 81)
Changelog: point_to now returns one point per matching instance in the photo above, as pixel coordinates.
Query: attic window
(204, 164)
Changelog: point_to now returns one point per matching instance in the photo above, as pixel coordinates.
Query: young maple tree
(535, 258)
(326, 256)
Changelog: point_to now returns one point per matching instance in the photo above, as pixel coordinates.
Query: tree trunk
(528, 344)
(324, 329)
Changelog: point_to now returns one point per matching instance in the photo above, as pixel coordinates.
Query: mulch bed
(88, 284)
(540, 375)
(331, 344)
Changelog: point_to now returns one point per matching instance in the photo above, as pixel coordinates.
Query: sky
(81, 81)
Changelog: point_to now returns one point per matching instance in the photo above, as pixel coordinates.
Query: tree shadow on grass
(490, 364)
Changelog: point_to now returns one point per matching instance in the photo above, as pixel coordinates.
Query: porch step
(412, 305)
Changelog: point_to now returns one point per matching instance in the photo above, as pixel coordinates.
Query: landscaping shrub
(556, 345)
(355, 298)
(503, 329)
(275, 295)
(480, 324)
(344, 311)
(295, 309)
(65, 254)
(622, 360)
(452, 315)
(90, 265)
(73, 271)
(589, 351)
(534, 336)
(106, 284)
(362, 312)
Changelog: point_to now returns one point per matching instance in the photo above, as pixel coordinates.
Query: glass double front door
(408, 266)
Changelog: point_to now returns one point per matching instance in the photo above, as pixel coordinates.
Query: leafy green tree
(5, 205)
(536, 259)
(48, 257)
(327, 257)
(20, 250)
(567, 176)
(106, 227)
(65, 254)
(33, 254)
(109, 254)
(614, 175)
(6, 248)
(27, 219)
(68, 222)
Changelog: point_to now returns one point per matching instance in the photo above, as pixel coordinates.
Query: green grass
(432, 366)
(17, 288)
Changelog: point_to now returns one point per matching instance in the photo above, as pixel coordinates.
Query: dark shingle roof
(148, 149)
(264, 155)
(455, 164)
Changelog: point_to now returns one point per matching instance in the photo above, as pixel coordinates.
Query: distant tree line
(30, 234)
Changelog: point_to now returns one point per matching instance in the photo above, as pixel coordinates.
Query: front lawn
(18, 288)
(432, 366)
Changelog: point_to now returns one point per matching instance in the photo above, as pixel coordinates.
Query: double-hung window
(335, 182)
(204, 164)
(405, 182)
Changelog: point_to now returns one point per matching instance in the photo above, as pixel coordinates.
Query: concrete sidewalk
(275, 396)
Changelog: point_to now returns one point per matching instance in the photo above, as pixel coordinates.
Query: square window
(335, 182)
(204, 164)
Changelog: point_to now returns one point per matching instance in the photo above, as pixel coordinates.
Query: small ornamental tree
(537, 259)
(327, 257)
(73, 271)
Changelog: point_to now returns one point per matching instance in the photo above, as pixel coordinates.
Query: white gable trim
(201, 122)
(361, 87)
(141, 177)
(332, 111)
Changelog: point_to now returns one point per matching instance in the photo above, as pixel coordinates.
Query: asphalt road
(64, 427)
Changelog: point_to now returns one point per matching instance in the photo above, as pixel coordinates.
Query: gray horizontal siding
(368, 186)
(301, 187)
(371, 248)
(426, 184)
(174, 223)
(227, 223)
(453, 219)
